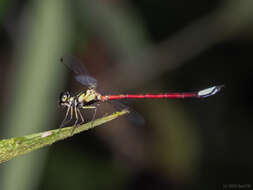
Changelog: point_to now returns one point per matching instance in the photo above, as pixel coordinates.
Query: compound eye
(64, 98)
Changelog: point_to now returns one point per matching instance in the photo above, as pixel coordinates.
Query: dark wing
(81, 74)
(134, 117)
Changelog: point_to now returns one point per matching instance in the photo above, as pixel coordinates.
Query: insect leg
(80, 115)
(77, 118)
(71, 114)
(91, 107)
(95, 111)
(66, 116)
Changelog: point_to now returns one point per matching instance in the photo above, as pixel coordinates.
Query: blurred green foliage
(133, 46)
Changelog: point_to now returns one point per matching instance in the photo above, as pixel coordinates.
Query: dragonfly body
(91, 96)
(87, 98)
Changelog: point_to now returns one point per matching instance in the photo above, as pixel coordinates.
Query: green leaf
(12, 147)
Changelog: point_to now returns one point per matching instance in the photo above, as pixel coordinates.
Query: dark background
(130, 47)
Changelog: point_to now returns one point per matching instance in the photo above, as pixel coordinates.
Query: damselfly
(87, 98)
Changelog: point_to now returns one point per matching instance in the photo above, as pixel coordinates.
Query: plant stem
(12, 147)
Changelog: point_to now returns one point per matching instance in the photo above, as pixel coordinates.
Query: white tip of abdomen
(209, 91)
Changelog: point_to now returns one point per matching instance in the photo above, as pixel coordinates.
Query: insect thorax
(88, 96)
